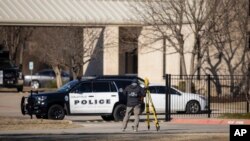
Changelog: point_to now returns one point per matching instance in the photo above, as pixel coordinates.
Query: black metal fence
(224, 94)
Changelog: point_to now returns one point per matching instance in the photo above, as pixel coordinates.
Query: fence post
(167, 102)
(247, 107)
(169, 96)
(248, 88)
(209, 94)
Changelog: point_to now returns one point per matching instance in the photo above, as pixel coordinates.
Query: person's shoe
(134, 129)
(123, 130)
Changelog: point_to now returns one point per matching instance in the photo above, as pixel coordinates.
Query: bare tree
(82, 47)
(171, 18)
(166, 19)
(67, 47)
(226, 37)
(214, 23)
(14, 38)
(50, 49)
(198, 13)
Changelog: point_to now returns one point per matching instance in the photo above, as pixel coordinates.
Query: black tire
(107, 117)
(193, 107)
(35, 84)
(20, 88)
(56, 112)
(119, 112)
(23, 106)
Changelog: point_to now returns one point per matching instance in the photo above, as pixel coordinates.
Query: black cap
(134, 81)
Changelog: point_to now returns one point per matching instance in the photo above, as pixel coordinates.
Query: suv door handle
(91, 96)
(113, 95)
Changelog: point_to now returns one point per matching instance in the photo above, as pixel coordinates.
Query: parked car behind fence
(44, 78)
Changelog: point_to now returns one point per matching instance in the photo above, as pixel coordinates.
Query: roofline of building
(66, 24)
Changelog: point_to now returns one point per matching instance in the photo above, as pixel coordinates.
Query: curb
(211, 121)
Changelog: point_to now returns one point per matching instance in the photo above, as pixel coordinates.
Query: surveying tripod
(149, 102)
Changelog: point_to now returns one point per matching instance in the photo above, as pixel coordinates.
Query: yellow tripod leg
(149, 99)
(147, 109)
(154, 113)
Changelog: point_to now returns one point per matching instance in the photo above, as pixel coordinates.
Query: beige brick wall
(111, 50)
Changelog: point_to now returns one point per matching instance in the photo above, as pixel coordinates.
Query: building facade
(125, 48)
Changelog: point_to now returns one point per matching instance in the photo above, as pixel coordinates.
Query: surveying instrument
(150, 106)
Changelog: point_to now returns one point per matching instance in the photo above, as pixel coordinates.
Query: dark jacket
(134, 95)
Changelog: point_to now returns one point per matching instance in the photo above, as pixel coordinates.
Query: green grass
(235, 116)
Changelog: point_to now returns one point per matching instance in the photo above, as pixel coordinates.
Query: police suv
(98, 96)
(10, 75)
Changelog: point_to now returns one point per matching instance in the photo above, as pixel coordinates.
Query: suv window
(173, 91)
(64, 74)
(161, 90)
(101, 87)
(152, 90)
(123, 84)
(112, 87)
(6, 64)
(84, 87)
(45, 73)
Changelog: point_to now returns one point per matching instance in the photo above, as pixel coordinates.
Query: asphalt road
(120, 137)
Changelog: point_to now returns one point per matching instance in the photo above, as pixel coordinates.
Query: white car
(180, 101)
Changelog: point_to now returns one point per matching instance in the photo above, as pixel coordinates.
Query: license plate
(1, 77)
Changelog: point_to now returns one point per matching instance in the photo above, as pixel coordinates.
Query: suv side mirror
(121, 90)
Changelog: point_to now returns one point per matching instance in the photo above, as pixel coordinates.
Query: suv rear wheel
(119, 112)
(19, 88)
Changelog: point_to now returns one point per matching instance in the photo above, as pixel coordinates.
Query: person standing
(135, 94)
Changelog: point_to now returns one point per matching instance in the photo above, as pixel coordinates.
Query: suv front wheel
(56, 112)
(119, 112)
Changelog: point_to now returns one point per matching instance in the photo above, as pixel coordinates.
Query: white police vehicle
(98, 96)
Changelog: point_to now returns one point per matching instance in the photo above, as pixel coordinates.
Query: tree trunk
(183, 65)
(21, 56)
(58, 76)
(192, 64)
(74, 69)
(217, 85)
(184, 73)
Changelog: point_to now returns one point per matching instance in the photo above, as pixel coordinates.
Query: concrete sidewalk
(174, 120)
(175, 126)
(115, 127)
(210, 121)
